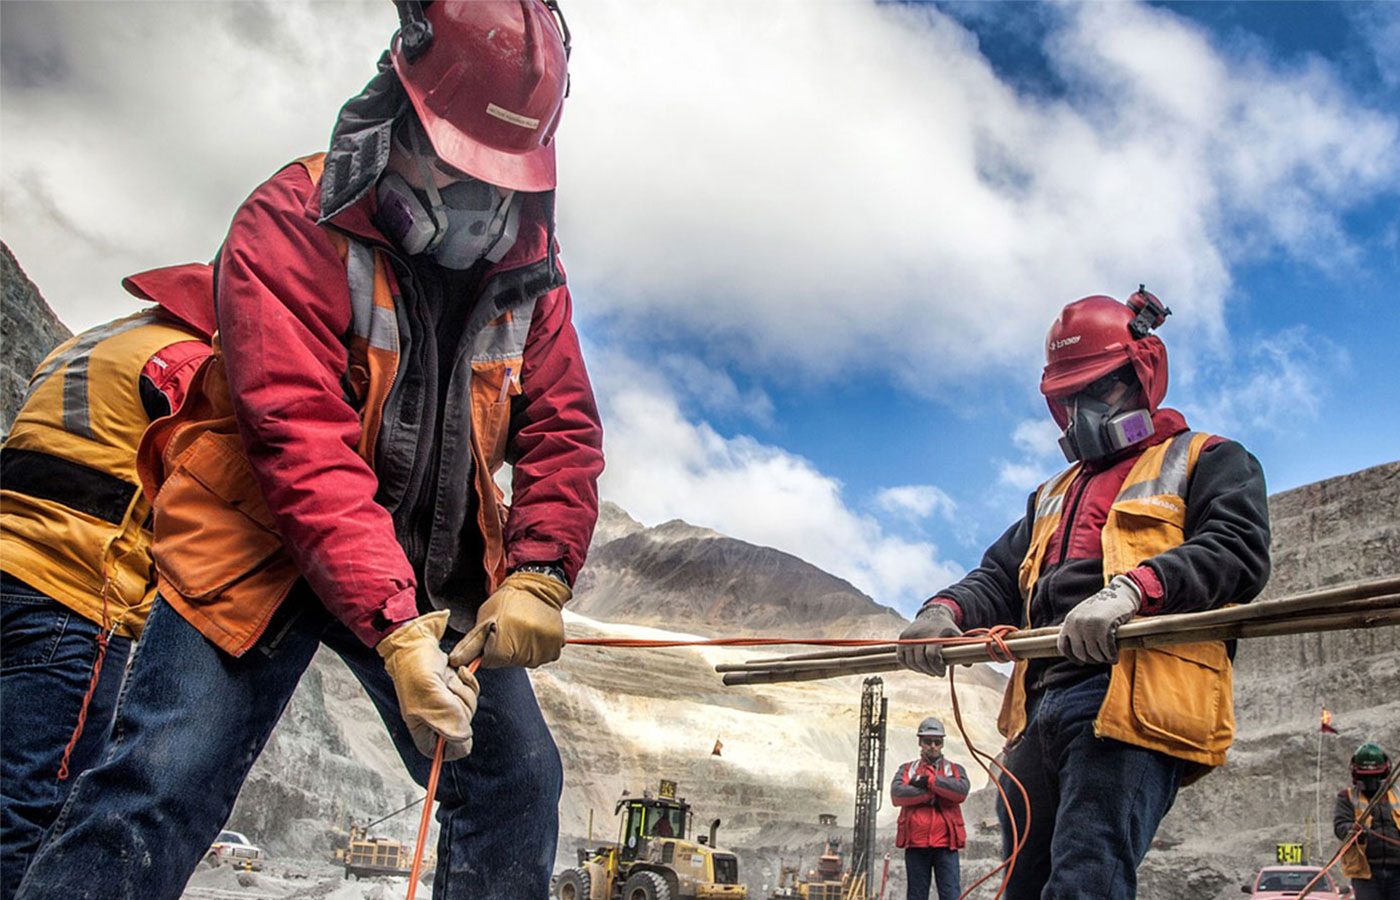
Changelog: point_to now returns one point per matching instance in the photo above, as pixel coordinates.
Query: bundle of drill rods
(1370, 604)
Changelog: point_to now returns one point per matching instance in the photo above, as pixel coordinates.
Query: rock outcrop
(679, 576)
(28, 331)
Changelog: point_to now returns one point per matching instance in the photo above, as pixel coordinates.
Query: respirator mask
(1370, 784)
(1098, 428)
(457, 224)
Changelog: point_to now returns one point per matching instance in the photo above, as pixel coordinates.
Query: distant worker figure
(1373, 862)
(1149, 518)
(929, 792)
(75, 543)
(395, 326)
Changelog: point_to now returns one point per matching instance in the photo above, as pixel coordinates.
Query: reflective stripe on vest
(73, 513)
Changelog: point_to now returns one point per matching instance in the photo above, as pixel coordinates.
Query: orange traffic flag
(1326, 727)
(719, 745)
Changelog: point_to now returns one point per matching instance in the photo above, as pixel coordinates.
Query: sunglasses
(935, 741)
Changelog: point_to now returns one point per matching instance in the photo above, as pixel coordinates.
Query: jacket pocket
(212, 526)
(1184, 695)
(494, 384)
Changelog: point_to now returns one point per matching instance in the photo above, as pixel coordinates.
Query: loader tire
(573, 884)
(646, 886)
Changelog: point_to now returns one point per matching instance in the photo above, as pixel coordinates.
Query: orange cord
(1356, 832)
(995, 640)
(109, 628)
(423, 821)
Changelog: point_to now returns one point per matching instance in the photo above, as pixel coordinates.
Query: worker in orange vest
(75, 543)
(929, 792)
(1149, 518)
(1373, 861)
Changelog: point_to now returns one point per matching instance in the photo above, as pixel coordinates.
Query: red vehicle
(1284, 883)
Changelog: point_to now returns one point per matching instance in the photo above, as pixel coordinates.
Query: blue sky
(814, 247)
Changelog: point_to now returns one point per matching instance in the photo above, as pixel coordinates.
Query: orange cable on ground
(423, 821)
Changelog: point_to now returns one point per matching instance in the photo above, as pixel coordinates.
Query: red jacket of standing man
(929, 792)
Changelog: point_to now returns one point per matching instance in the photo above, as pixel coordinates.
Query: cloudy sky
(814, 245)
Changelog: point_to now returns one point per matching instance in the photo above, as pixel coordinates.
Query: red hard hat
(489, 87)
(1097, 335)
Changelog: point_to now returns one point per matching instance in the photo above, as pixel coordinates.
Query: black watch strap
(553, 570)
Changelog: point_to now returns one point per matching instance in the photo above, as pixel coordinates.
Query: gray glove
(1089, 634)
(933, 621)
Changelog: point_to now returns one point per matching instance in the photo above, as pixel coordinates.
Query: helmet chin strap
(439, 210)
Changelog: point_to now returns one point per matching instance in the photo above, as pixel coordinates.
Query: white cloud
(803, 187)
(712, 390)
(882, 198)
(1039, 457)
(916, 501)
(1037, 437)
(1271, 385)
(662, 466)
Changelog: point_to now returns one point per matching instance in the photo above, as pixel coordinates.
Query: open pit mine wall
(329, 758)
(1223, 828)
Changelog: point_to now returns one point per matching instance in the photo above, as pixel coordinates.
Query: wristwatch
(553, 570)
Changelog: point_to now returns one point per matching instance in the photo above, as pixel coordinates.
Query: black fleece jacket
(1224, 559)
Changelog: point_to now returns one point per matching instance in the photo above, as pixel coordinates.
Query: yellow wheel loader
(653, 858)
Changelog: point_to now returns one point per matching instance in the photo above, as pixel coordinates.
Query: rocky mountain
(28, 331)
(679, 576)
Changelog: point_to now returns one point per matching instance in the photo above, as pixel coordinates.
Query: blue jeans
(938, 862)
(1095, 802)
(193, 719)
(46, 657)
(1384, 884)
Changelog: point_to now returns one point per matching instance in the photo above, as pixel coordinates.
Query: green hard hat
(1370, 759)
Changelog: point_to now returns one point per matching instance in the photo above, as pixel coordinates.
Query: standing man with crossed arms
(929, 792)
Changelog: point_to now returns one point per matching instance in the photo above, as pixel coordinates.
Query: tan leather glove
(435, 698)
(519, 625)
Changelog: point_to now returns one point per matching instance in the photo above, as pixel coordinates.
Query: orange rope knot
(995, 639)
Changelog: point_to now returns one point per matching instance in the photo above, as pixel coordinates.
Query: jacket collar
(184, 292)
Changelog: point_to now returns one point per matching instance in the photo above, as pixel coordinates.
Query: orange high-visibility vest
(72, 515)
(1354, 862)
(1178, 700)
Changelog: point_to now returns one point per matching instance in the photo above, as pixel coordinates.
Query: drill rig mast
(870, 780)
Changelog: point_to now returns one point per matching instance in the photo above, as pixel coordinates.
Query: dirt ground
(293, 879)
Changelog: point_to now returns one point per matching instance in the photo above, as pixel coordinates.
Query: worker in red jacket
(929, 792)
(1149, 518)
(394, 327)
